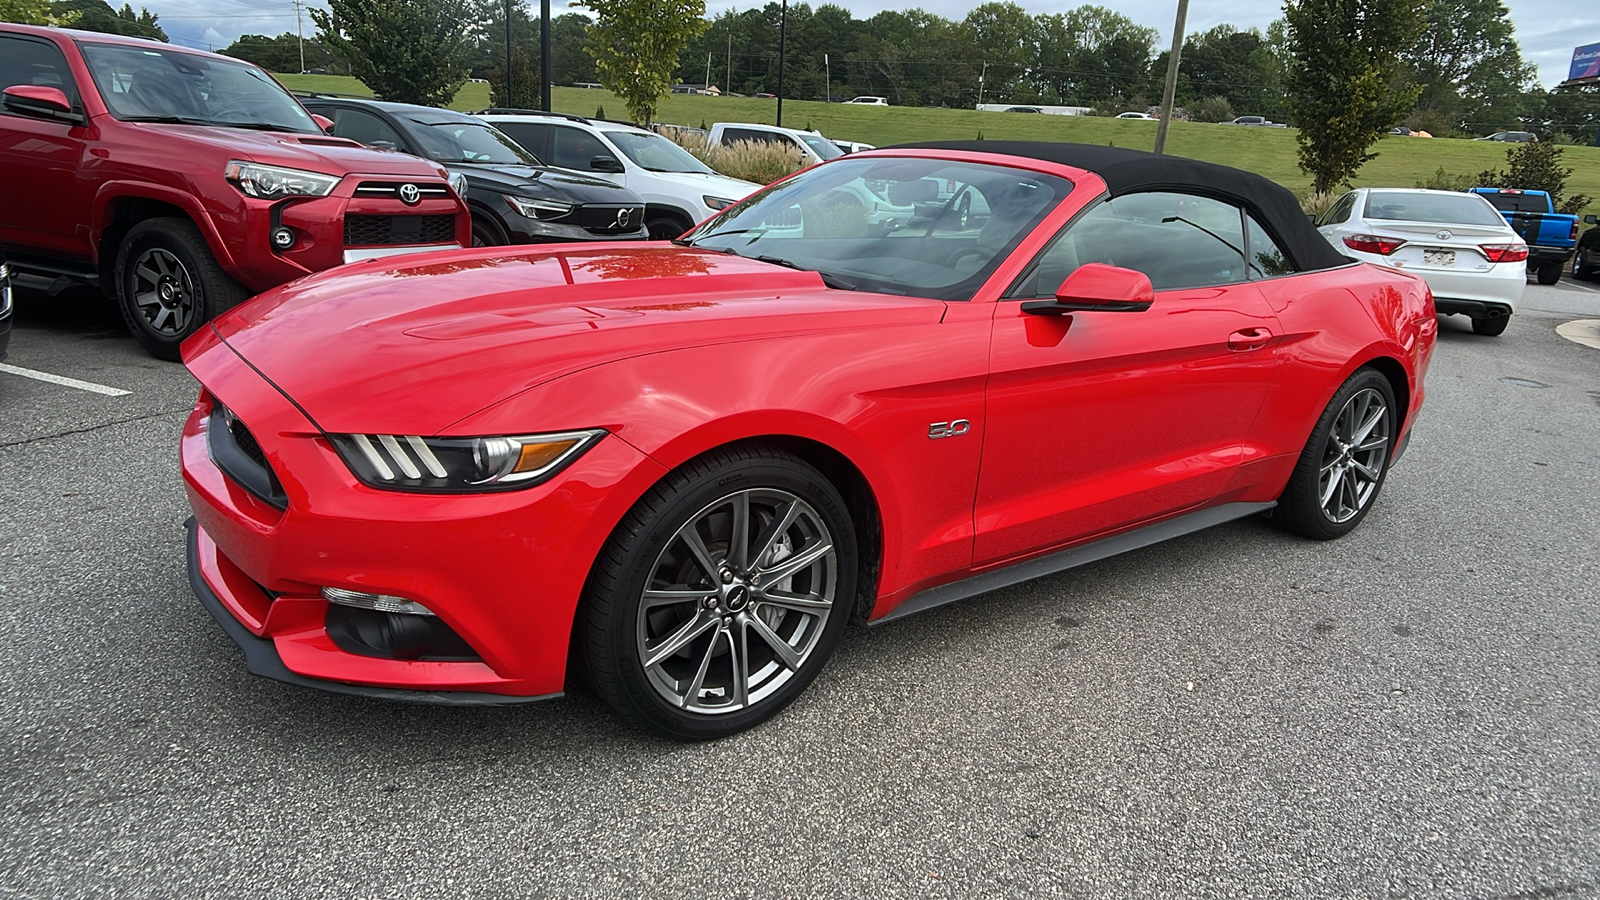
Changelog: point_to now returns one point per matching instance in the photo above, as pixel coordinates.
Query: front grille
(610, 219)
(239, 455)
(392, 189)
(369, 231)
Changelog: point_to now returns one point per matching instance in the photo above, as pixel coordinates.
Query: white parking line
(64, 380)
(1582, 287)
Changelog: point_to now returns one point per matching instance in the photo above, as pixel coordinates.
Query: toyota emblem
(1444, 235)
(623, 215)
(409, 195)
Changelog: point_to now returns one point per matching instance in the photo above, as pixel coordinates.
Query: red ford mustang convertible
(898, 379)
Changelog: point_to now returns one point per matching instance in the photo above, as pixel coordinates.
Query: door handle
(1249, 339)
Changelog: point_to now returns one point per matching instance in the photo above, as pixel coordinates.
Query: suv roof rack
(330, 95)
(511, 111)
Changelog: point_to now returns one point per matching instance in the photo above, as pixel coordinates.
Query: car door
(574, 149)
(364, 127)
(44, 199)
(533, 136)
(1101, 420)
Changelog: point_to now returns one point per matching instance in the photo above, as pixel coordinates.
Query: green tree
(1345, 80)
(524, 83)
(408, 51)
(29, 12)
(1536, 166)
(1468, 67)
(282, 53)
(97, 15)
(636, 44)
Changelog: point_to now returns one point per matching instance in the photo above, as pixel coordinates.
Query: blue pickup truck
(1550, 236)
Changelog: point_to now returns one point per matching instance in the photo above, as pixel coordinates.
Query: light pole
(546, 64)
(1172, 77)
(783, 32)
(507, 98)
(982, 73)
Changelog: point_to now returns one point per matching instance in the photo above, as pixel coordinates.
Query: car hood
(414, 345)
(314, 152)
(514, 174)
(707, 184)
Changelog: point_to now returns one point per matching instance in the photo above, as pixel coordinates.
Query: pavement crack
(72, 431)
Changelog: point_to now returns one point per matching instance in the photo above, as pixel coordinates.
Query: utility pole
(708, 71)
(546, 64)
(783, 31)
(506, 100)
(827, 75)
(300, 33)
(1172, 77)
(981, 73)
(730, 51)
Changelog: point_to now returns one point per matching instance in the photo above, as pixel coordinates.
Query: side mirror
(607, 164)
(323, 122)
(1097, 287)
(383, 145)
(1591, 219)
(40, 101)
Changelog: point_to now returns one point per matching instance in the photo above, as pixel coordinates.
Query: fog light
(375, 602)
(282, 237)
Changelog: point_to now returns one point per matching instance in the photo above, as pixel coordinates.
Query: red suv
(181, 182)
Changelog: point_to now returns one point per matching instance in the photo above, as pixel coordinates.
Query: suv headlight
(276, 182)
(5, 289)
(460, 465)
(458, 182)
(538, 209)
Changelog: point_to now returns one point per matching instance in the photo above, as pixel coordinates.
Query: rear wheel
(169, 284)
(721, 595)
(1490, 326)
(1342, 468)
(1550, 273)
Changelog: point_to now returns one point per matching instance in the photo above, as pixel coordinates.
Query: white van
(813, 146)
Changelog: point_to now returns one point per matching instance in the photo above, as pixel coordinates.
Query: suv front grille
(610, 219)
(369, 231)
(238, 454)
(392, 189)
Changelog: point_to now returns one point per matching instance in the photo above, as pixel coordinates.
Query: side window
(745, 134)
(533, 136)
(1341, 211)
(360, 125)
(29, 61)
(573, 148)
(1266, 258)
(1178, 240)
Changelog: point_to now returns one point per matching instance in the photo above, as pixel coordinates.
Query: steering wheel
(232, 102)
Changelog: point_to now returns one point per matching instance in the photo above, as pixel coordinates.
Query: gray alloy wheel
(1354, 457)
(720, 596)
(163, 292)
(1343, 465)
(737, 601)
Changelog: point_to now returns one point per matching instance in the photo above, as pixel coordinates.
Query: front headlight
(458, 182)
(5, 289)
(717, 202)
(276, 182)
(460, 465)
(538, 209)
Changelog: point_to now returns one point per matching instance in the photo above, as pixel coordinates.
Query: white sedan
(1474, 263)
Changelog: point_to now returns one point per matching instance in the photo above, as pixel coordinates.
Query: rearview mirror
(40, 101)
(1097, 287)
(1591, 219)
(607, 164)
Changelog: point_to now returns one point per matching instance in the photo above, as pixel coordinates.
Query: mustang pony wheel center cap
(738, 597)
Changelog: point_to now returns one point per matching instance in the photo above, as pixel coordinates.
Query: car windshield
(656, 153)
(149, 84)
(822, 146)
(1518, 202)
(921, 227)
(1445, 209)
(458, 141)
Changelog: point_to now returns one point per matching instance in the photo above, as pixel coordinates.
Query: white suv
(870, 101)
(679, 191)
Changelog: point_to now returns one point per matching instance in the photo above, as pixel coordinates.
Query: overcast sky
(1546, 29)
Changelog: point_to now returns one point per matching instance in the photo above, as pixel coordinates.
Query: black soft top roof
(1133, 171)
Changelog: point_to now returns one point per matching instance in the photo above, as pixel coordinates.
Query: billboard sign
(1585, 63)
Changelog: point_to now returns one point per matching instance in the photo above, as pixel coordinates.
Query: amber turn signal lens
(536, 456)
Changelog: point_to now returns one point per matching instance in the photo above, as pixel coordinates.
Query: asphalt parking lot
(1413, 711)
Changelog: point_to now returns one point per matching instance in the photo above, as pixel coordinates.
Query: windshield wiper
(170, 120)
(829, 280)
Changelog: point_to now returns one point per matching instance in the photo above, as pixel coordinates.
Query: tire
(1491, 326)
(168, 284)
(665, 228)
(1351, 481)
(485, 234)
(653, 590)
(1550, 273)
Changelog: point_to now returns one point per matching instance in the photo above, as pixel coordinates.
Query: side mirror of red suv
(41, 102)
(323, 122)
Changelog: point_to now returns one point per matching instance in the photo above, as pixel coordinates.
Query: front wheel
(1343, 465)
(721, 595)
(169, 284)
(1550, 273)
(665, 228)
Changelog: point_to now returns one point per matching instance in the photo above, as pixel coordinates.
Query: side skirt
(1073, 557)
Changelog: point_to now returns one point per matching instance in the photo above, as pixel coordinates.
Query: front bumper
(503, 571)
